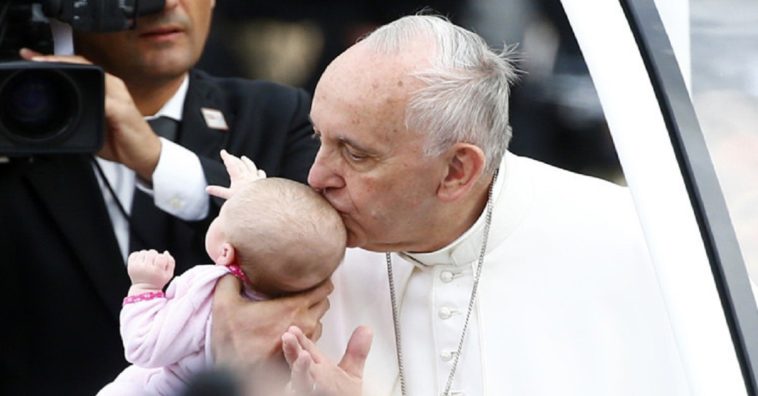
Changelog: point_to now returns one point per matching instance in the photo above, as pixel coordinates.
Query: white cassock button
(445, 313)
(447, 276)
(447, 355)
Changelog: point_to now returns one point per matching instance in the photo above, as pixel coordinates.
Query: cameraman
(68, 221)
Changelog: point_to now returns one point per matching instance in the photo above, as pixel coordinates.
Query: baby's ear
(227, 254)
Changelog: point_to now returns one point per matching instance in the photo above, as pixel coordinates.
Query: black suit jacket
(62, 278)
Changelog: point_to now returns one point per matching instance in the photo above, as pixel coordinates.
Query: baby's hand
(149, 270)
(300, 362)
(241, 170)
(313, 373)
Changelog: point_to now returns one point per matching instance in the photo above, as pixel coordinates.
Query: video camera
(50, 108)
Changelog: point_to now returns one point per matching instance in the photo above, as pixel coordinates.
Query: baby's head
(284, 236)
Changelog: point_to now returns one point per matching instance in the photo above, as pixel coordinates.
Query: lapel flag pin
(214, 119)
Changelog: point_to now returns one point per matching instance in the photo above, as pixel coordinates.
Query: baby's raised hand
(149, 270)
(241, 170)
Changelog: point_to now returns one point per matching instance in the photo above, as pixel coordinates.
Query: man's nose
(323, 174)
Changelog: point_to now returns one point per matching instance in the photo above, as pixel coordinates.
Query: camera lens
(37, 105)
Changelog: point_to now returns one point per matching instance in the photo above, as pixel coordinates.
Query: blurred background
(724, 92)
(555, 113)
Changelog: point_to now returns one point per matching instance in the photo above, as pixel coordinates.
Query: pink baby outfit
(167, 338)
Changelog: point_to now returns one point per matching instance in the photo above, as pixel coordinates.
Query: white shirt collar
(468, 246)
(175, 106)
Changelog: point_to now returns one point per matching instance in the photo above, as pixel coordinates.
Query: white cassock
(568, 301)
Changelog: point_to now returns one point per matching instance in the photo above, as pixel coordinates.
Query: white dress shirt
(178, 186)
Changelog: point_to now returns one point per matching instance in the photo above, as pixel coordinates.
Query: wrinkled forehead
(366, 85)
(365, 68)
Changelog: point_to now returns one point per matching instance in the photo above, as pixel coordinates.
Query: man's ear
(465, 164)
(227, 255)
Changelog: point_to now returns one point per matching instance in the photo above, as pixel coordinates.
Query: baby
(277, 236)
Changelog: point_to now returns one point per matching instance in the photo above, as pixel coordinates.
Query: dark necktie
(148, 225)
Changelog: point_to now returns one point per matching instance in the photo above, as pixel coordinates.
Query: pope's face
(370, 167)
(162, 46)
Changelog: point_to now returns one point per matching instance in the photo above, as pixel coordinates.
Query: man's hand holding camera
(129, 139)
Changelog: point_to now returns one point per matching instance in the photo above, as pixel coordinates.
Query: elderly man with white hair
(478, 272)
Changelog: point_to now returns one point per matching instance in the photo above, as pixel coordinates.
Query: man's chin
(366, 244)
(354, 241)
(172, 60)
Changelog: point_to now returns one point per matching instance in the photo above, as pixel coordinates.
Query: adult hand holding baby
(246, 335)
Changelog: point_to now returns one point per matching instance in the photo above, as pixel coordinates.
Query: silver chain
(396, 322)
(472, 300)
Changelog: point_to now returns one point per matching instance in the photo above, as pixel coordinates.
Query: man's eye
(354, 156)
(316, 136)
